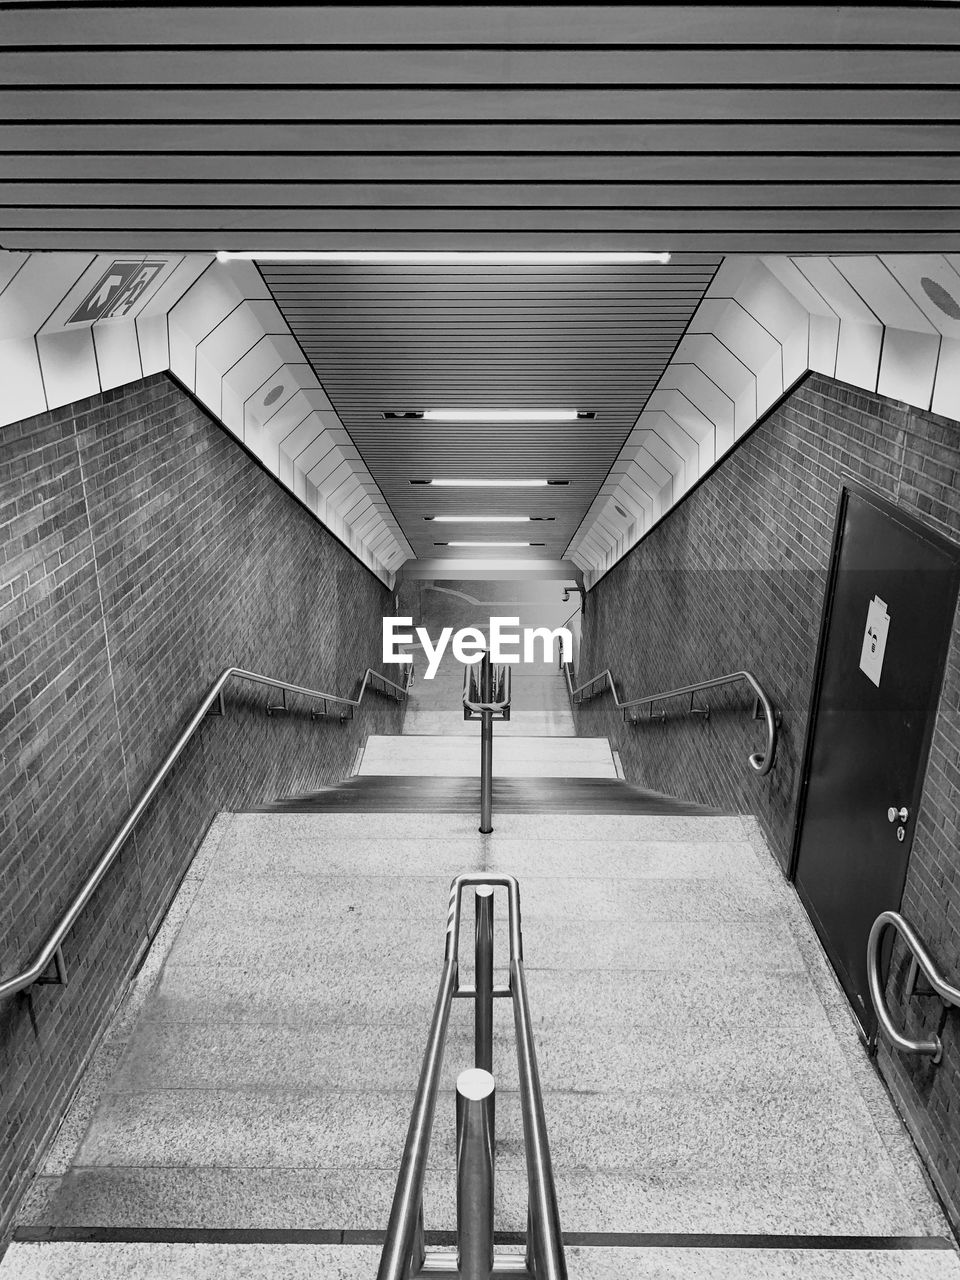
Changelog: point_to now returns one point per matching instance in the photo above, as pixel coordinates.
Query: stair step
(413, 793)
(163, 1260)
(516, 757)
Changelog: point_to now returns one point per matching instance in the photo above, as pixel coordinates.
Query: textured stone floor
(700, 1071)
(359, 1262)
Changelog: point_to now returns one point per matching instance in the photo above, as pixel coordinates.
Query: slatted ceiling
(713, 127)
(55, 24)
(402, 337)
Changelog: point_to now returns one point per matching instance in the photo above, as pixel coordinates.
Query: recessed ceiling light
(501, 415)
(444, 483)
(450, 258)
(480, 519)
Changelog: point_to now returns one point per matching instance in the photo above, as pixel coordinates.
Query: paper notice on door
(874, 640)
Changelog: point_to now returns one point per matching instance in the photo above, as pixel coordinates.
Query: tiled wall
(142, 551)
(735, 577)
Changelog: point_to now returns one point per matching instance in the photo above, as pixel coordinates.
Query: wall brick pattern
(735, 577)
(142, 552)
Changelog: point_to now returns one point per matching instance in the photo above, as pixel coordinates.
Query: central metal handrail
(760, 761)
(486, 697)
(920, 960)
(52, 949)
(404, 1253)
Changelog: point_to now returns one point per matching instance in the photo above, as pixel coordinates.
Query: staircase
(709, 1109)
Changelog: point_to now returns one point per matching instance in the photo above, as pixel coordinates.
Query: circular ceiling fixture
(939, 296)
(274, 394)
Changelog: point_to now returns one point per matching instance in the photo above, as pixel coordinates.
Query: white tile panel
(710, 399)
(10, 264)
(824, 335)
(69, 365)
(782, 315)
(638, 497)
(658, 459)
(883, 293)
(228, 341)
(858, 354)
(914, 272)
(118, 352)
(289, 375)
(709, 354)
(835, 290)
(639, 472)
(152, 341)
(908, 364)
(946, 392)
(743, 335)
(201, 309)
(330, 473)
(312, 455)
(789, 274)
(21, 379)
(680, 441)
(252, 377)
(37, 290)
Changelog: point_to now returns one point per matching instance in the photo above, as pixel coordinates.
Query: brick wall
(735, 577)
(142, 551)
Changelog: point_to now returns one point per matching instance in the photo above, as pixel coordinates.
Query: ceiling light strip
(443, 257)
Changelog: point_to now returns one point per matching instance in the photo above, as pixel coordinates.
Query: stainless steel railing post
(486, 747)
(483, 979)
(486, 772)
(475, 1101)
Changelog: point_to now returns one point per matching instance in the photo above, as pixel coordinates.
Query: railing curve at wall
(404, 1251)
(52, 951)
(921, 961)
(760, 761)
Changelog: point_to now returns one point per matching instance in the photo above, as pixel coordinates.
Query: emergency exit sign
(118, 290)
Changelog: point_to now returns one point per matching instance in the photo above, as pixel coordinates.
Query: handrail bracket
(58, 978)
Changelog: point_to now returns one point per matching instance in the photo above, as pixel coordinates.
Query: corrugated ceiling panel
(412, 338)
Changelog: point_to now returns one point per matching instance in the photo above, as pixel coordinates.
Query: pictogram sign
(118, 290)
(874, 640)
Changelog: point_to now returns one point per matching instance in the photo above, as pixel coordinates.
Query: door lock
(897, 815)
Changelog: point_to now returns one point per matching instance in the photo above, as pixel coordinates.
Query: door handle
(898, 815)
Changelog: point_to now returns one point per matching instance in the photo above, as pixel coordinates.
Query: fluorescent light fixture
(443, 257)
(500, 415)
(479, 519)
(489, 544)
(490, 484)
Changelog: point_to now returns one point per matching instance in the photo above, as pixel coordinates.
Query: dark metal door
(880, 667)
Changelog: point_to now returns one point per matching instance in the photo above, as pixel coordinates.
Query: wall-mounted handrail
(51, 951)
(760, 761)
(922, 960)
(403, 1253)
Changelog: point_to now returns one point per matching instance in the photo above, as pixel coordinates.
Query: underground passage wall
(735, 578)
(143, 551)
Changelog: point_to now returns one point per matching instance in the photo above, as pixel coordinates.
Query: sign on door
(874, 640)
